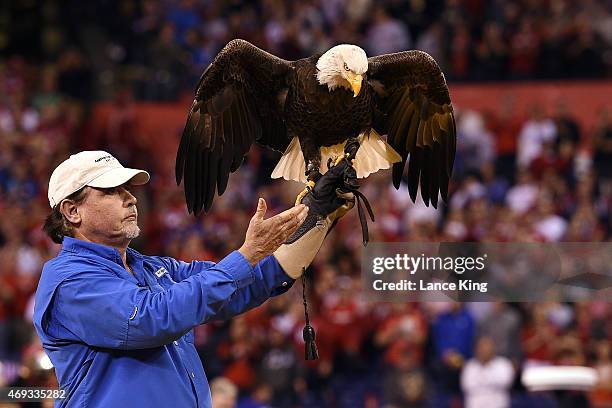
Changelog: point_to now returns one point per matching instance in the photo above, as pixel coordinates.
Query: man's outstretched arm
(274, 275)
(105, 310)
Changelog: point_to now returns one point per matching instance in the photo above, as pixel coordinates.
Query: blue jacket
(119, 340)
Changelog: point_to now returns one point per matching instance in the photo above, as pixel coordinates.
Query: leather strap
(360, 197)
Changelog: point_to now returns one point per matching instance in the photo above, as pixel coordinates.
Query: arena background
(530, 82)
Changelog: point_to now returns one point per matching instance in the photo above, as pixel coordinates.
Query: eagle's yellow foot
(340, 158)
(309, 186)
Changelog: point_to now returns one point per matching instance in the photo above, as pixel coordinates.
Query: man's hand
(263, 237)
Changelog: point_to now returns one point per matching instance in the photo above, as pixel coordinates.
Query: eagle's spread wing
(238, 101)
(415, 111)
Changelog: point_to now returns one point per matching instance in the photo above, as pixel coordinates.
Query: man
(486, 380)
(116, 324)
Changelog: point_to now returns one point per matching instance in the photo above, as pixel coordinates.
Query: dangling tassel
(311, 352)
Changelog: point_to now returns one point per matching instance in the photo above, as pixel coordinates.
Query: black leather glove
(331, 198)
(343, 178)
(331, 193)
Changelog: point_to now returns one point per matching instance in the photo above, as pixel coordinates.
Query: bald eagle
(310, 109)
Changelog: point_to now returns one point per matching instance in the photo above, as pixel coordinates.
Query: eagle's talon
(346, 156)
(339, 160)
(309, 186)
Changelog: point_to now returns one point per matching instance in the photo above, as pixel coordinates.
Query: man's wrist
(250, 255)
(297, 255)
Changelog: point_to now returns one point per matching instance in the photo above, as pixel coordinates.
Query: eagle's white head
(342, 65)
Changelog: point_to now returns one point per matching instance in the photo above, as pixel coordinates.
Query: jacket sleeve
(269, 279)
(180, 270)
(103, 310)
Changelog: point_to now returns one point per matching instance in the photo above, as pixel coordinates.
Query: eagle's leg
(350, 152)
(350, 148)
(312, 176)
(312, 172)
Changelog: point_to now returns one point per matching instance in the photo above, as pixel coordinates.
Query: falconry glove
(329, 200)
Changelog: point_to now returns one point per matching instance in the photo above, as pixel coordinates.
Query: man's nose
(129, 197)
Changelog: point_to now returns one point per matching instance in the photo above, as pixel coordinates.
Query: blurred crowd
(160, 47)
(541, 178)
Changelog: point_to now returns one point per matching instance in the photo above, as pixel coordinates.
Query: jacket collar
(83, 247)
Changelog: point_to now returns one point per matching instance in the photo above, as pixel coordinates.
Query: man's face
(109, 215)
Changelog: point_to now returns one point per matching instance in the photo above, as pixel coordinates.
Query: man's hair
(56, 225)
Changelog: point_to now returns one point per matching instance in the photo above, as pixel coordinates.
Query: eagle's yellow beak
(355, 82)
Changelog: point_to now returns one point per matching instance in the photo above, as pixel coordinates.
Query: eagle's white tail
(374, 154)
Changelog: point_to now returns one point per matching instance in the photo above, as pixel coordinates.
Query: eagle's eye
(346, 68)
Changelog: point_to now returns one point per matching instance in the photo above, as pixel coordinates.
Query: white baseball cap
(94, 168)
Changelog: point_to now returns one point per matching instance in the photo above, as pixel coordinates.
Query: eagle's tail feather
(374, 154)
(291, 165)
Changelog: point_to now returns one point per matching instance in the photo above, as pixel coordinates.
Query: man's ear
(70, 211)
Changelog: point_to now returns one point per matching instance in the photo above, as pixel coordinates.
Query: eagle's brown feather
(407, 81)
